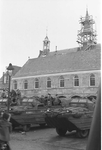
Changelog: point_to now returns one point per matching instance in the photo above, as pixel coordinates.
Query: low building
(4, 83)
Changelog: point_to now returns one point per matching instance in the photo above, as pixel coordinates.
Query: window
(92, 80)
(25, 84)
(76, 80)
(36, 83)
(15, 84)
(5, 79)
(48, 83)
(61, 81)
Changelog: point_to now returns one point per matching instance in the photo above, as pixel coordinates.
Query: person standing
(18, 97)
(49, 100)
(57, 101)
(5, 129)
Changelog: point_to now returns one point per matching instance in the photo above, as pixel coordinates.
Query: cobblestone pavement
(46, 139)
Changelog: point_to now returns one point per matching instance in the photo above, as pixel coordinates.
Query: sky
(25, 23)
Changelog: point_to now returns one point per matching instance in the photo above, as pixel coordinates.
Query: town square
(50, 75)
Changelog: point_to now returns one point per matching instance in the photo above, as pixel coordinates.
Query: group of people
(14, 97)
(5, 129)
(50, 101)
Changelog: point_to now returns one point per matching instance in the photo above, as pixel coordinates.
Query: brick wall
(68, 90)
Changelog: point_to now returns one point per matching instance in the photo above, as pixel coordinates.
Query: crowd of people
(15, 98)
(49, 100)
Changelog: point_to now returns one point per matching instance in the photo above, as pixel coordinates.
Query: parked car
(76, 116)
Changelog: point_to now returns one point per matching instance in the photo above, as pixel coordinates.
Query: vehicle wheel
(83, 133)
(26, 127)
(42, 125)
(61, 132)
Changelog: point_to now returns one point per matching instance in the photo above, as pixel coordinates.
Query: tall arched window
(15, 84)
(25, 84)
(76, 80)
(36, 83)
(48, 83)
(92, 80)
(61, 81)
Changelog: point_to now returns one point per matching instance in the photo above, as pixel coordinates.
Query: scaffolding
(87, 34)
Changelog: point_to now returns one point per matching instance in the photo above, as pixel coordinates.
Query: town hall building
(63, 72)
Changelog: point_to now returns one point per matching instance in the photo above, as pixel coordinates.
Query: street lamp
(9, 69)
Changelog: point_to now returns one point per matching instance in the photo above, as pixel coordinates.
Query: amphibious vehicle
(76, 116)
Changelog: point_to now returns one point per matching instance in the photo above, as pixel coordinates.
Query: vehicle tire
(26, 127)
(83, 133)
(61, 131)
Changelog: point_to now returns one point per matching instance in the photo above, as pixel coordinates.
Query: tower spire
(46, 47)
(87, 35)
(87, 12)
(46, 30)
(46, 44)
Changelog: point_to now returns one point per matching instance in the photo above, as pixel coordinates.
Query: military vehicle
(29, 113)
(77, 115)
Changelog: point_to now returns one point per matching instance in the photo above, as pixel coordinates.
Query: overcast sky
(23, 25)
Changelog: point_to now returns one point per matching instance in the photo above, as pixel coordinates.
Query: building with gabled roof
(63, 72)
(61, 63)
(4, 80)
